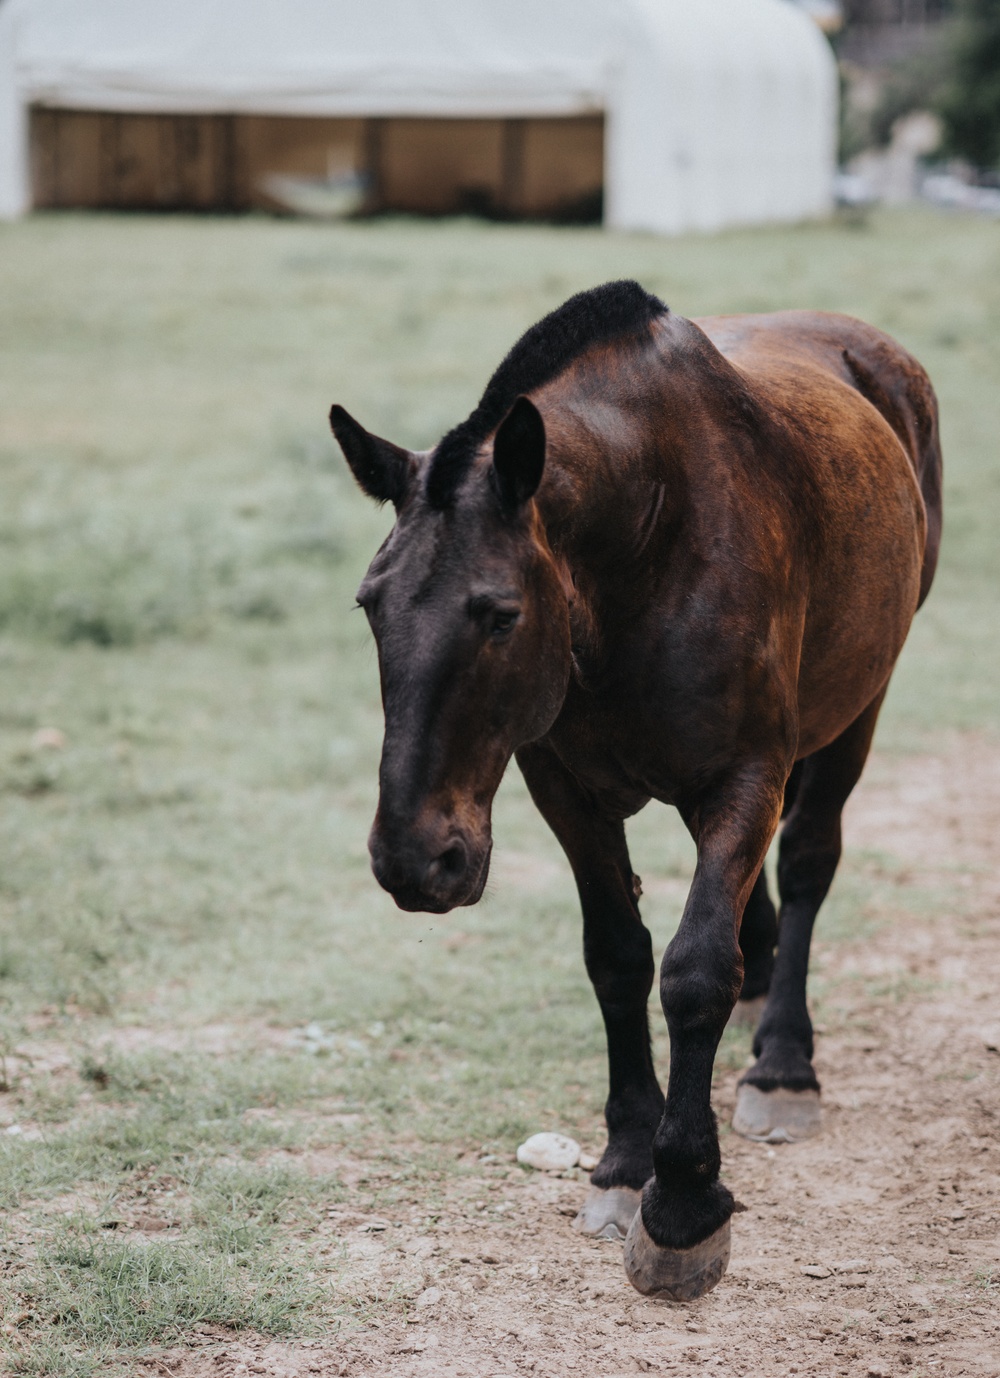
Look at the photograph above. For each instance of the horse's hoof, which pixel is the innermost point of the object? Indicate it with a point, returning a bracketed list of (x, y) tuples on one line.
[(776, 1117), (746, 1013), (608, 1213), (674, 1274)]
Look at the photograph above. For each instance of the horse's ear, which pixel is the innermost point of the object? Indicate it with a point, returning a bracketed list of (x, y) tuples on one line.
[(382, 469), (519, 454)]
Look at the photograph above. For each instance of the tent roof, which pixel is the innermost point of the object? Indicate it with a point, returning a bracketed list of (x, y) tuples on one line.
[(396, 56), (319, 56)]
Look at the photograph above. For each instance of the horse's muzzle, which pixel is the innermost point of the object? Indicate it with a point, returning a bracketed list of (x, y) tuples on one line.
[(428, 873)]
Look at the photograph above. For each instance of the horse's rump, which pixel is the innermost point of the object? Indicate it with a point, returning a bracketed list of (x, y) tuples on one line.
[(867, 360)]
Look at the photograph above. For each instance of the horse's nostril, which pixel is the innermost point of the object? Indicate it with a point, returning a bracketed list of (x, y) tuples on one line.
[(452, 861), (448, 866)]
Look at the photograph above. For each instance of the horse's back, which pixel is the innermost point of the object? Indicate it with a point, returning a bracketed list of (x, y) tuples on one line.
[(866, 360)]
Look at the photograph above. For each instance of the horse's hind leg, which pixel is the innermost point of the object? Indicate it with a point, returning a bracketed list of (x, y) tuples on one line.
[(778, 1098), (759, 935), (758, 939), (619, 957)]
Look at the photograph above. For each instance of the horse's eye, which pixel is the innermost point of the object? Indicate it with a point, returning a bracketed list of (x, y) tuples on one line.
[(502, 621)]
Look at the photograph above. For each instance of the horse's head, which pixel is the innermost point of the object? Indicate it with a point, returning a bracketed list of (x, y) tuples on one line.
[(470, 614)]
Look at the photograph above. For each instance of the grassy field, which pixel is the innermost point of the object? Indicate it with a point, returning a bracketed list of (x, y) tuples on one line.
[(198, 977)]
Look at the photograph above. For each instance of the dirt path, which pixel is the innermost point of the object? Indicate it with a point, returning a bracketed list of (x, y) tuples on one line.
[(873, 1250)]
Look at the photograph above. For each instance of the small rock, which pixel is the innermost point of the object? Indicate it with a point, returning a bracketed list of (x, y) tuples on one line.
[(429, 1297), (816, 1270), (549, 1152), (991, 1038), (588, 1162)]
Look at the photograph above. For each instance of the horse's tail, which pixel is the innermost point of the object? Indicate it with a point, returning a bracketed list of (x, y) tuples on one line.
[(904, 395)]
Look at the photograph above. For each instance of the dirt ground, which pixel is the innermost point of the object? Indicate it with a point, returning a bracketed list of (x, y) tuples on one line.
[(871, 1250)]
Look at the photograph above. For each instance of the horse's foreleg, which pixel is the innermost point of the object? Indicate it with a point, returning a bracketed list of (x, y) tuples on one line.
[(678, 1245), (619, 958), (778, 1098)]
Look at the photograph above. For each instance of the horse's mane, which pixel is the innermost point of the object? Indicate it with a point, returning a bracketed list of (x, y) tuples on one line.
[(603, 313)]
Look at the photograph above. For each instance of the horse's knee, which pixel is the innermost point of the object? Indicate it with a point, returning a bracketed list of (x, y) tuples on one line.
[(700, 983)]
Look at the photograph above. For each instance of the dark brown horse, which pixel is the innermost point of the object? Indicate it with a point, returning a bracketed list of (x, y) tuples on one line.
[(662, 559)]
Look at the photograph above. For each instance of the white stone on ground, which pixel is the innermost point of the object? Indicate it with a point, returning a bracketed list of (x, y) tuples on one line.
[(549, 1152)]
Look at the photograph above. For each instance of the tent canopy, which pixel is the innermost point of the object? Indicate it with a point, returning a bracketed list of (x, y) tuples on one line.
[(717, 113)]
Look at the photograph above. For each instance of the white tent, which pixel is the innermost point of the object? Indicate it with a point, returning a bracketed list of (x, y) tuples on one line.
[(718, 112)]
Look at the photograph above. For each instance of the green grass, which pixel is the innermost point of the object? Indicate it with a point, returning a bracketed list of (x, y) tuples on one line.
[(185, 883)]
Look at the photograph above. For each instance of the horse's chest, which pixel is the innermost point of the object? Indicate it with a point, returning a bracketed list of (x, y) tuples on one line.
[(612, 745)]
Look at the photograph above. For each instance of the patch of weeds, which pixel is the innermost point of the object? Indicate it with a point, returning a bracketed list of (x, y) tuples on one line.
[(41, 1355), (231, 1266), (154, 1112), (238, 1206), (104, 1290), (95, 1072), (29, 778), (106, 579), (110, 577), (52, 1100)]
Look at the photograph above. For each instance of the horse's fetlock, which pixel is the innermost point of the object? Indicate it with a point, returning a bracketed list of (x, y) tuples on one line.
[(634, 1113), (687, 1153), (782, 1063), (679, 1218)]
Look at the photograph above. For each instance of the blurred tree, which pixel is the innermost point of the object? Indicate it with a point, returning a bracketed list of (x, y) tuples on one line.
[(969, 105)]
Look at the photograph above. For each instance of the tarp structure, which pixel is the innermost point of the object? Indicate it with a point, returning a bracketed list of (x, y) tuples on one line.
[(716, 113)]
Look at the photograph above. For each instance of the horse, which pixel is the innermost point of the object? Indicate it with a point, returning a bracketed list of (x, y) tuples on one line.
[(662, 559)]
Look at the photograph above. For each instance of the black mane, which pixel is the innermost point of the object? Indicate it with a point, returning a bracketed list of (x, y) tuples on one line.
[(603, 313)]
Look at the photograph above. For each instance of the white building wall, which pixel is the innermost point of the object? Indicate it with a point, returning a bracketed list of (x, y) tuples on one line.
[(15, 186), (720, 114)]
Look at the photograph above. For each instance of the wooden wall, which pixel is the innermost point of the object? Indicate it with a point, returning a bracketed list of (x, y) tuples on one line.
[(522, 168)]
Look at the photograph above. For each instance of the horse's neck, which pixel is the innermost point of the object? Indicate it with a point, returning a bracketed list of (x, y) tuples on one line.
[(633, 473)]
